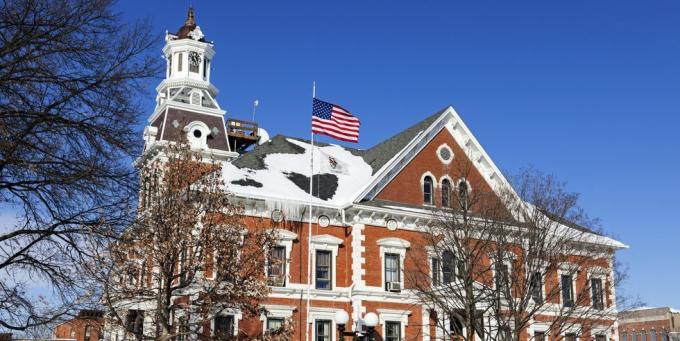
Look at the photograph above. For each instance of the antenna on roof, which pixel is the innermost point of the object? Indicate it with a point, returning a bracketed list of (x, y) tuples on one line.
[(256, 103)]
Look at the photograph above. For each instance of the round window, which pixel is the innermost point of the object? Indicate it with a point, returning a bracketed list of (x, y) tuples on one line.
[(445, 153), (197, 133)]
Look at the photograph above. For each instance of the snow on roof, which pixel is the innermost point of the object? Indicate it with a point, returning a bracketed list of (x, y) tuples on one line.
[(280, 168)]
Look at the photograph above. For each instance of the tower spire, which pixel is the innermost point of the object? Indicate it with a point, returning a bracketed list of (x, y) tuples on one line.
[(190, 17)]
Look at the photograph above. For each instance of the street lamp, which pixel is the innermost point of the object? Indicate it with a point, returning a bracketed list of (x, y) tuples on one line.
[(341, 318), (371, 320)]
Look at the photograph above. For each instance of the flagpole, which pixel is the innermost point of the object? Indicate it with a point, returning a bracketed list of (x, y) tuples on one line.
[(309, 231)]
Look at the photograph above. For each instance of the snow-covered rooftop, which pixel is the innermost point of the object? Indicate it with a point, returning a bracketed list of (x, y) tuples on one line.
[(281, 167)]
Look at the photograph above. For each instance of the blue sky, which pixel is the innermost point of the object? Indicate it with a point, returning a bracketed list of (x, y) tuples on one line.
[(586, 90)]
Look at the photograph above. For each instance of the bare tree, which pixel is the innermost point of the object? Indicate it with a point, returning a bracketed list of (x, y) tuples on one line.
[(71, 75), (189, 257), (495, 262)]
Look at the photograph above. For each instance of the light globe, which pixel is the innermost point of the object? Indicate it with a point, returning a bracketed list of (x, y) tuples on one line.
[(371, 320), (341, 317)]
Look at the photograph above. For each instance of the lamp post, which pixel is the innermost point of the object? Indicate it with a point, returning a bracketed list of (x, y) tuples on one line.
[(341, 318)]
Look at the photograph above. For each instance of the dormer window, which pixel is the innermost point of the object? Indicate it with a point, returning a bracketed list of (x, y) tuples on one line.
[(428, 189), (197, 134)]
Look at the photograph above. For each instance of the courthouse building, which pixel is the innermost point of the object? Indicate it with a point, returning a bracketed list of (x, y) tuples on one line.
[(369, 205)]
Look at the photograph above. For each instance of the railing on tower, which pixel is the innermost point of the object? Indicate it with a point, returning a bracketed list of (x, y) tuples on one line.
[(242, 134)]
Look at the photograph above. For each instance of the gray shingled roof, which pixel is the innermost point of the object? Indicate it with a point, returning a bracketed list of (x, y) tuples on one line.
[(376, 156)]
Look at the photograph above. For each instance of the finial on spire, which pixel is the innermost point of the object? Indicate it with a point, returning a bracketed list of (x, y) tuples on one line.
[(190, 17)]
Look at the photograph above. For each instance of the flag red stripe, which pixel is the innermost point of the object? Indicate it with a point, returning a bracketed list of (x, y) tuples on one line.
[(345, 126), (337, 137), (345, 122), (335, 126), (334, 129), (345, 115)]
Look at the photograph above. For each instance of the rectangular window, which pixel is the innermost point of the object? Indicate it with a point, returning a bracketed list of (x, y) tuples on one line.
[(392, 274), (664, 335), (179, 62), (134, 321), (323, 270), (274, 323), (435, 271), (539, 336), (624, 336), (503, 278), (392, 331), (224, 325), (600, 337), (536, 287), (504, 334), (567, 291), (570, 336), (643, 335), (206, 65), (323, 330), (170, 63), (653, 334), (634, 336), (448, 267), (598, 296), (276, 270)]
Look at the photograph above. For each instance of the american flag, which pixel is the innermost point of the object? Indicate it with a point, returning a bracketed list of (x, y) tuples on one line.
[(334, 121)]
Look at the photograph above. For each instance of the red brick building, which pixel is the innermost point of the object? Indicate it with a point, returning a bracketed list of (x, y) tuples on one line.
[(87, 326), (649, 324), (369, 206)]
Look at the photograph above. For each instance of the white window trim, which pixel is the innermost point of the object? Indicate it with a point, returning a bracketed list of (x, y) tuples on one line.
[(238, 316), (275, 311), (452, 183), (434, 187), (393, 315), (445, 146), (569, 269), (286, 239), (321, 313), (457, 184), (599, 330), (573, 329), (395, 246), (601, 274), (508, 258), (197, 143), (325, 242)]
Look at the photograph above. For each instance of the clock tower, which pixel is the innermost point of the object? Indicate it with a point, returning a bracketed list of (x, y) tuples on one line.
[(186, 105)]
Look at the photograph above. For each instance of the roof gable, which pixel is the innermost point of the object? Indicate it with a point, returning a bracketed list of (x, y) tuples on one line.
[(422, 134)]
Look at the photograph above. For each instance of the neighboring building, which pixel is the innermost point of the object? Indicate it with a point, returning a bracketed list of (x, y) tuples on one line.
[(369, 205), (650, 324), (87, 326)]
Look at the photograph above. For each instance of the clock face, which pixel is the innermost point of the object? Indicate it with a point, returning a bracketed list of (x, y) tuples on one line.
[(324, 221), (277, 216), (391, 224), (194, 59)]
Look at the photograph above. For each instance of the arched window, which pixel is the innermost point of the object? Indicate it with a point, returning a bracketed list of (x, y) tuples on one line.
[(446, 193), (428, 187), (88, 332), (463, 191)]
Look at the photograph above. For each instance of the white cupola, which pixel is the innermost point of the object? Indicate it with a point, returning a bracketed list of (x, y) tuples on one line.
[(188, 58)]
